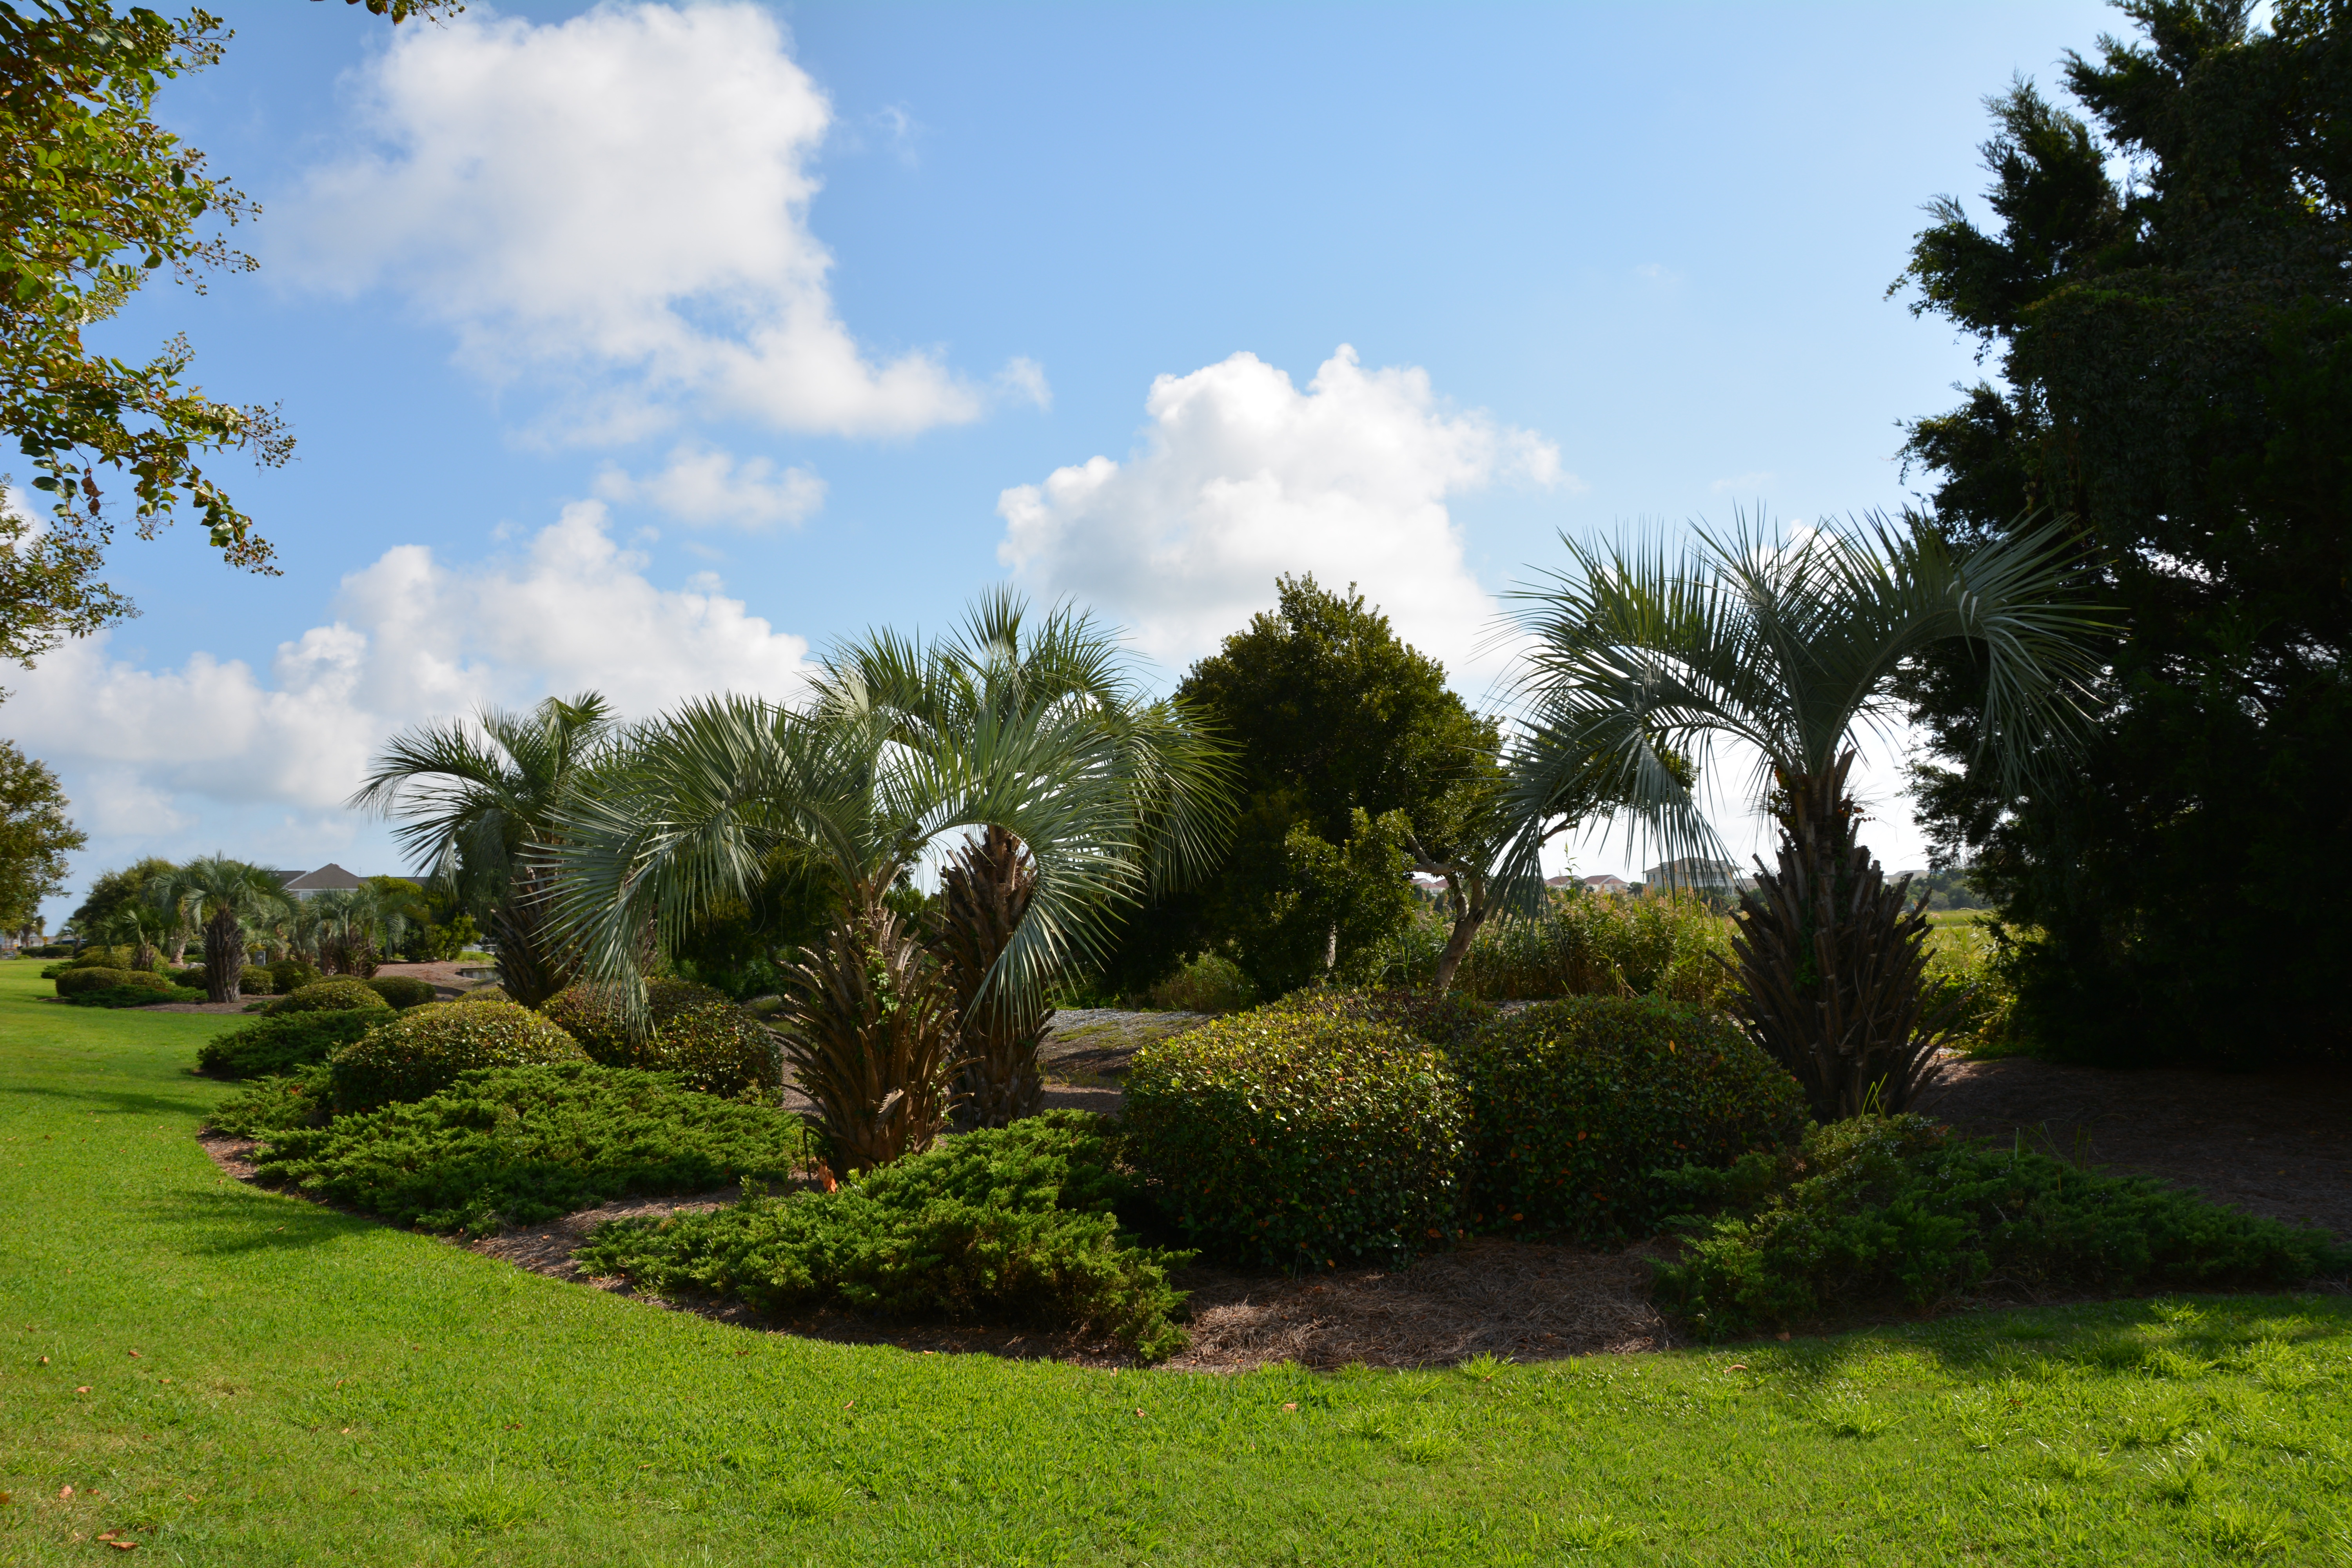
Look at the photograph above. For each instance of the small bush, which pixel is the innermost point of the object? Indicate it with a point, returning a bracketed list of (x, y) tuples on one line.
[(1589, 945), (424, 1050), (400, 990), (712, 1043), (1209, 983), (330, 996), (80, 981), (1450, 1021), (1575, 1104), (192, 977), (276, 1104), (277, 1043), (1016, 1222), (1876, 1211), (1295, 1135), (290, 974), (521, 1144), (132, 996), (252, 980)]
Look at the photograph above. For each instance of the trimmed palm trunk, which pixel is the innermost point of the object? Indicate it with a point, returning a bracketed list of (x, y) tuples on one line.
[(531, 967), (984, 890), (869, 1034), (1830, 963), (224, 956)]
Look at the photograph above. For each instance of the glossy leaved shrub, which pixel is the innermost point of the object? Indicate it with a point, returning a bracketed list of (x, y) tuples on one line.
[(1300, 1136), (1577, 1106), (420, 1051), (712, 1043), (330, 996), (289, 974), (78, 981), (400, 990)]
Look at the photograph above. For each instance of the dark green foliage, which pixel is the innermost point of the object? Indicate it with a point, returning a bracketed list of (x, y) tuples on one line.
[(275, 1044), (515, 1145), (289, 974), (2176, 375), (1018, 1222), (304, 1097), (710, 1043), (332, 996), (1298, 1136), (424, 1050), (192, 977), (132, 996), (1874, 1213), (1575, 1103), (76, 982), (401, 990), (251, 980), (1208, 983), (1450, 1020)]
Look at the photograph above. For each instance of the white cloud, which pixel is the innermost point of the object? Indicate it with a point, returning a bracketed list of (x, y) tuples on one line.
[(414, 639), (1241, 477), (703, 486), (624, 193)]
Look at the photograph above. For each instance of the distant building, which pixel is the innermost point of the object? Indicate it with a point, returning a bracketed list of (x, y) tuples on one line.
[(1606, 884), (1693, 875), (1559, 881), (329, 877)]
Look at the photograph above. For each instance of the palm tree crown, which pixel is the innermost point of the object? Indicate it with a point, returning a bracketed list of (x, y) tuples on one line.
[(221, 896)]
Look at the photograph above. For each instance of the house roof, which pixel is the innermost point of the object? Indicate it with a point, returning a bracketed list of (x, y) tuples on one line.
[(326, 878)]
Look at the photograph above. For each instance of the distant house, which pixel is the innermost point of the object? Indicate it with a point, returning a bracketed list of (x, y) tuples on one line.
[(1606, 884), (1694, 875), (329, 877), (1559, 881)]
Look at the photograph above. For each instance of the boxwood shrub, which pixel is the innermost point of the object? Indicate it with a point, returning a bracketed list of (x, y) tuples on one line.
[(282, 1043), (1299, 1136), (292, 974), (131, 997), (1578, 1105), (423, 1050), (712, 1043), (330, 996), (1451, 1020), (76, 982), (400, 990)]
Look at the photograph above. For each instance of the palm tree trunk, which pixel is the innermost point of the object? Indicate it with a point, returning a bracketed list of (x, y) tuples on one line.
[(223, 957), (1832, 964), (867, 1032), (531, 968), (985, 889)]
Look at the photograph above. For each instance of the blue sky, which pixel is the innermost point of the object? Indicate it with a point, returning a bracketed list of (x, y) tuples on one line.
[(648, 347)]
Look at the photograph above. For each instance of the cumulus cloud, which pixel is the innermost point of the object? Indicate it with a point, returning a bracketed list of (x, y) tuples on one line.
[(1240, 477), (703, 486), (414, 638), (624, 193)]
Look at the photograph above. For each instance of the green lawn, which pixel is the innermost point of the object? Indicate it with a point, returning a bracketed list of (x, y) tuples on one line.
[(310, 1389)]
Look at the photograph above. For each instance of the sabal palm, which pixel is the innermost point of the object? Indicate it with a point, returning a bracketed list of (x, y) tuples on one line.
[(476, 803), (1790, 649), (220, 896), (897, 746)]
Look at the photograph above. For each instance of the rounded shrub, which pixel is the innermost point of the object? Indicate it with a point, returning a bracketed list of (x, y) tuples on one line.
[(1451, 1020), (423, 1050), (1209, 983), (1290, 1136), (80, 981), (400, 990), (254, 980), (290, 974), (329, 997), (192, 975), (712, 1043), (1578, 1106)]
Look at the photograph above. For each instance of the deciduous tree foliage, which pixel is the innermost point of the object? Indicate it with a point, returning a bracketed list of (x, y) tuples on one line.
[(34, 837), (2166, 295)]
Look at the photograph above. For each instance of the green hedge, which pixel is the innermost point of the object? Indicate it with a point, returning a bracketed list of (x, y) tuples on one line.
[(275, 1044), (712, 1043), (1873, 1212), (330, 996), (521, 1144), (1020, 1222), (1300, 1135), (400, 990), (77, 982), (1450, 1021), (1576, 1104), (276, 1103), (290, 974), (131, 997), (423, 1049)]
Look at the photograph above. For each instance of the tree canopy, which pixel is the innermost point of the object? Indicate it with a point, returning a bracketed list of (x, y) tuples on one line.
[(34, 837)]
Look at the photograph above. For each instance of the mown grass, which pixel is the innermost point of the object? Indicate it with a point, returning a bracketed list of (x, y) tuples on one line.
[(312, 1388)]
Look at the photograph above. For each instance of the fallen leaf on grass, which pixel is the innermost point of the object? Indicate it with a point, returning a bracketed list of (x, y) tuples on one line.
[(65, 1494), (1138, 1412), (851, 1405), (1737, 1367), (124, 1545), (45, 1361), (83, 1389), (134, 1354), (6, 1500), (1292, 1405)]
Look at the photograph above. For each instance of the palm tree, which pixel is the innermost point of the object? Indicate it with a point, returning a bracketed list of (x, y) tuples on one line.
[(352, 924), (1789, 649), (1082, 790), (219, 896), (477, 803)]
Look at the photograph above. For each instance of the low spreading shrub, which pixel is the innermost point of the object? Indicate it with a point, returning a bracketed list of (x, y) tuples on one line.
[(80, 981), (289, 974), (1879, 1212), (400, 990), (275, 1044), (712, 1044), (1019, 1222), (517, 1145), (424, 1050), (1575, 1104), (278, 1103), (1296, 1136), (1209, 983), (132, 996), (330, 996)]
